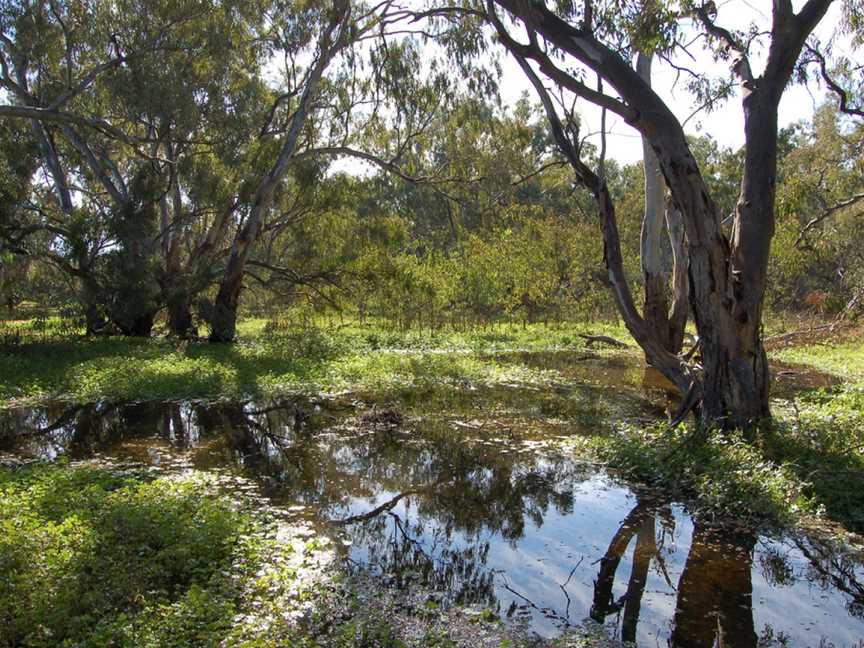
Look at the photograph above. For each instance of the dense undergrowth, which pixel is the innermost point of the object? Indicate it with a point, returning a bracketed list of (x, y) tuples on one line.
[(808, 460), (93, 558), (96, 557)]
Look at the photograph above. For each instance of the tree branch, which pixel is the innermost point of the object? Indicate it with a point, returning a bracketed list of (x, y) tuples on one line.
[(832, 84)]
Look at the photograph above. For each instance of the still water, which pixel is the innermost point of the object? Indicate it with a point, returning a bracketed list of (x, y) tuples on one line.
[(462, 492)]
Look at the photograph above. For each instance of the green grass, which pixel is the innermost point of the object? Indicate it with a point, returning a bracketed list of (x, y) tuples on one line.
[(809, 460), (727, 478), (821, 433), (268, 360), (92, 558), (845, 359)]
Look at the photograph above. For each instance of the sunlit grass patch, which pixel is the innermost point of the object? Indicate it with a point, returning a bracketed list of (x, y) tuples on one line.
[(820, 436), (274, 361), (845, 359), (91, 558)]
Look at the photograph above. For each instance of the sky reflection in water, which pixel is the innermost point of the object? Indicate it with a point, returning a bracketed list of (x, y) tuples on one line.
[(468, 502)]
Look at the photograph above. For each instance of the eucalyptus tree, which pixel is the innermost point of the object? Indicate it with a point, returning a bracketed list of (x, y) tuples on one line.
[(168, 131), (818, 252), (662, 250), (120, 97), (335, 29), (474, 161), (18, 162), (359, 98), (727, 271)]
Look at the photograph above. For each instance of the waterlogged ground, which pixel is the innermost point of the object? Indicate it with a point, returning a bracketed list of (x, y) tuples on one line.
[(458, 500)]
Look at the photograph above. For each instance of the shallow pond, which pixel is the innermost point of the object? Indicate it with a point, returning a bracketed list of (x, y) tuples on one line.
[(460, 491)]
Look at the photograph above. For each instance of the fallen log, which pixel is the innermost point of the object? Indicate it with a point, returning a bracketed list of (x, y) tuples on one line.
[(602, 339)]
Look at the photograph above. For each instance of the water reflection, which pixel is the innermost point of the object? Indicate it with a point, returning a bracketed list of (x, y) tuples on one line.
[(641, 523), (480, 513)]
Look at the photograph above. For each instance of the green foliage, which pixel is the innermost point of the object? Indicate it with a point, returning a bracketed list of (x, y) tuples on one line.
[(821, 434), (822, 443), (18, 162), (366, 631), (272, 359), (810, 460), (816, 254), (92, 558), (726, 475)]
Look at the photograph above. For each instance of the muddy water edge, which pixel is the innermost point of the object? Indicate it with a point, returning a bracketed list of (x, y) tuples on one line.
[(457, 500)]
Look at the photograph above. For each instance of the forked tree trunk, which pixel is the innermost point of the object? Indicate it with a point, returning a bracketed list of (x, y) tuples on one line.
[(140, 326), (727, 280), (736, 378), (179, 305), (223, 322), (734, 370), (178, 283)]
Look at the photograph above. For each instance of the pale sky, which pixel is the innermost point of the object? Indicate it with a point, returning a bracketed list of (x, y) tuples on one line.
[(726, 125)]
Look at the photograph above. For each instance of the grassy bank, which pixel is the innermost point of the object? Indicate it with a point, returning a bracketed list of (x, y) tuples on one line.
[(97, 556), (809, 461), (268, 361), (94, 556)]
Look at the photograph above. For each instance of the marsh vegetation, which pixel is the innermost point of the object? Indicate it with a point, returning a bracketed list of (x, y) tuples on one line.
[(332, 323)]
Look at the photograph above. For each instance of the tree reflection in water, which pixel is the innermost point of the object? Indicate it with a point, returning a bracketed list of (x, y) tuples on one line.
[(424, 504), (641, 522)]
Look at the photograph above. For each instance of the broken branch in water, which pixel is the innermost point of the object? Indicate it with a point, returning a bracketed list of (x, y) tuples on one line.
[(378, 510)]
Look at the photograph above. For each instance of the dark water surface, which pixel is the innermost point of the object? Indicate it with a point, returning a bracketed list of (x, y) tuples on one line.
[(460, 491)]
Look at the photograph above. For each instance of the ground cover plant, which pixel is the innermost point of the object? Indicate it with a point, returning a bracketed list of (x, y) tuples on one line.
[(107, 555), (269, 360), (486, 216), (125, 556), (808, 461)]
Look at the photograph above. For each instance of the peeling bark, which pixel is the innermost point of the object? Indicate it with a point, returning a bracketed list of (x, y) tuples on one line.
[(655, 243), (726, 279), (680, 306)]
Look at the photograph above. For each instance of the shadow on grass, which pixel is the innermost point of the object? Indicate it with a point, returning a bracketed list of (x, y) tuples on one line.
[(728, 477), (825, 453), (140, 369)]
